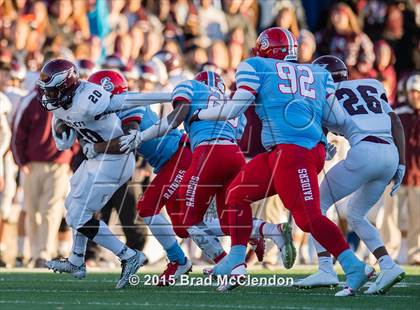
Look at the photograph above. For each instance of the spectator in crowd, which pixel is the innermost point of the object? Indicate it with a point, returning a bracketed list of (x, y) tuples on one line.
[(307, 46), (409, 194), (212, 21), (384, 66), (344, 39), (6, 193), (401, 33), (46, 172), (287, 19)]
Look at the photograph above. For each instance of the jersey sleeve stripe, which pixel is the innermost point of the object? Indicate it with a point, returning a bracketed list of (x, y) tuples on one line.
[(131, 119), (181, 99), (246, 87), (183, 89)]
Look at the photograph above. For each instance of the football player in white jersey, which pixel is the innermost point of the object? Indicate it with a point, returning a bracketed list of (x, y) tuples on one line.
[(376, 157), (87, 111)]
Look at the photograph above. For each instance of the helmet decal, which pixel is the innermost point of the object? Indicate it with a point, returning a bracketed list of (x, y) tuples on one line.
[(264, 41), (107, 84)]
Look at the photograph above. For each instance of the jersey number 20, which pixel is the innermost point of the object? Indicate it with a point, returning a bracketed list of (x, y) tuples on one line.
[(296, 80)]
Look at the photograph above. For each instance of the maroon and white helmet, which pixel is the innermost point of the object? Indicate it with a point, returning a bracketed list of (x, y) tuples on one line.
[(57, 83)]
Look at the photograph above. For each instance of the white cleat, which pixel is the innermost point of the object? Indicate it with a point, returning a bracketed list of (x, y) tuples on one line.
[(319, 279), (386, 279), (345, 292), (63, 265), (129, 267), (233, 280), (229, 282)]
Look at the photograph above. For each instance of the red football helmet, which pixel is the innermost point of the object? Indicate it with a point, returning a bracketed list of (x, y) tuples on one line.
[(110, 80), (57, 83), (277, 43), (334, 65), (211, 79)]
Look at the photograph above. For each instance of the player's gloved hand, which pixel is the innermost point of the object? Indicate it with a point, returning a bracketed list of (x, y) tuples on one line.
[(65, 141), (398, 177), (130, 141), (195, 117), (89, 150), (331, 150)]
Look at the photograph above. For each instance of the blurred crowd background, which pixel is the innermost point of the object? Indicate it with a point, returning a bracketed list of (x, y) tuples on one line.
[(156, 44)]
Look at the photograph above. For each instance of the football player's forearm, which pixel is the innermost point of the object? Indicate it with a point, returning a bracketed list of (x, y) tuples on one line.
[(166, 124), (232, 109), (398, 135), (333, 114), (108, 147)]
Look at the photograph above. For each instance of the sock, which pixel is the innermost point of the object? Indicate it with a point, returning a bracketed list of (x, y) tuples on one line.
[(326, 264), (175, 254), (77, 255), (256, 228), (20, 246), (349, 261), (209, 244), (235, 257), (161, 229), (213, 225), (270, 230), (386, 262), (108, 240)]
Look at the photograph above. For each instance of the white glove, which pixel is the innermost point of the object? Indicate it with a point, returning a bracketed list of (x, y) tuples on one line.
[(398, 177), (130, 141), (64, 142), (331, 150), (89, 150)]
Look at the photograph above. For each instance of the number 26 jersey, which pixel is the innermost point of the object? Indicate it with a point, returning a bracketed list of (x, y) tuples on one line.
[(366, 108)]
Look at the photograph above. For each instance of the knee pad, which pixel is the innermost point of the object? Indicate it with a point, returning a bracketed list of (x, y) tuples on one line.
[(90, 228)]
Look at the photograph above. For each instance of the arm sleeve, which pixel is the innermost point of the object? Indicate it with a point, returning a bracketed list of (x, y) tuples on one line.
[(248, 84), (132, 100)]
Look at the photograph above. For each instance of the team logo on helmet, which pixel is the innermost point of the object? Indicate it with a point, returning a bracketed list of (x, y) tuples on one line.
[(107, 84), (264, 43)]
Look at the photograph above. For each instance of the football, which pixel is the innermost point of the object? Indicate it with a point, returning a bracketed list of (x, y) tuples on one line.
[(60, 127)]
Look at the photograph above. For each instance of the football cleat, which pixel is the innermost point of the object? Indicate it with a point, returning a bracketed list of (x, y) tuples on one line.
[(129, 267), (173, 272), (386, 279), (63, 265), (258, 246), (358, 278), (228, 282), (319, 279), (287, 249)]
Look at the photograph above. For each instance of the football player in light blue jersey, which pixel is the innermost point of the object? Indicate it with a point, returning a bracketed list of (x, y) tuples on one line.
[(216, 161), (293, 102)]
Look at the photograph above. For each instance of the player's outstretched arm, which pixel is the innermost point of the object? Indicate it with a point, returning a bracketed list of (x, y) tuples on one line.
[(166, 124), (233, 108), (333, 114)]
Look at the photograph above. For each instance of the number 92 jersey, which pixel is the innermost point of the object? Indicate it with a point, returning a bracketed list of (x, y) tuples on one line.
[(86, 114), (290, 98), (366, 108)]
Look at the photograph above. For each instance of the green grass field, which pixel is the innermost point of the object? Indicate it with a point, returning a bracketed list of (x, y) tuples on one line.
[(29, 290)]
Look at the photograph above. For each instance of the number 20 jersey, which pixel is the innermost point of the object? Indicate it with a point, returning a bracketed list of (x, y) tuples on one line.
[(366, 109), (289, 99), (87, 115)]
